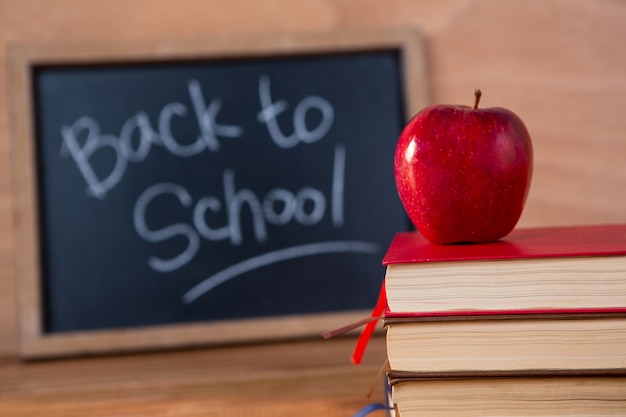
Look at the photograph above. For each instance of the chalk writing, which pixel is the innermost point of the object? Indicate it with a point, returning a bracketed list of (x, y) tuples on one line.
[(274, 257), (306, 206), (270, 112), (293, 208), (210, 132)]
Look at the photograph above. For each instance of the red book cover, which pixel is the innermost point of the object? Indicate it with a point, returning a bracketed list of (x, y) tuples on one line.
[(599, 240), (410, 316)]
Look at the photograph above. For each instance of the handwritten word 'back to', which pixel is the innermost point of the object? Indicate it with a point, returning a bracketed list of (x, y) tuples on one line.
[(208, 139)]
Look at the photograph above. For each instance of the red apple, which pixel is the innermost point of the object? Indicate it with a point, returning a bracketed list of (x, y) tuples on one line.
[(463, 173)]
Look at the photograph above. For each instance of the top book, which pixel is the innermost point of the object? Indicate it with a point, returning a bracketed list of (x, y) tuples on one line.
[(531, 270)]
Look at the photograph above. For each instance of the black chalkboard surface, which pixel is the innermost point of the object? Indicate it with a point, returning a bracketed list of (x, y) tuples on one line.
[(214, 189)]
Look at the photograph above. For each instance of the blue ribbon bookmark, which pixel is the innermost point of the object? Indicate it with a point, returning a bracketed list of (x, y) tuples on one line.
[(370, 408)]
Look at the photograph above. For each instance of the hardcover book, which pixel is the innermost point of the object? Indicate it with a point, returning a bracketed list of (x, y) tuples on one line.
[(513, 344), (539, 395), (534, 269)]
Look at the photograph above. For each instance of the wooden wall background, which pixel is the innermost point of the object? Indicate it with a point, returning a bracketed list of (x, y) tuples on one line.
[(559, 64)]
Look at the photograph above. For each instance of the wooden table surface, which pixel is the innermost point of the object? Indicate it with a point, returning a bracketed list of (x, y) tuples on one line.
[(302, 378)]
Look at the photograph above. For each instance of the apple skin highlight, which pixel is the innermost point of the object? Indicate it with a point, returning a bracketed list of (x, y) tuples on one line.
[(462, 173)]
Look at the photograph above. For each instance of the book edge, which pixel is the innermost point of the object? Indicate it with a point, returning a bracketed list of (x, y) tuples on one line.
[(525, 243)]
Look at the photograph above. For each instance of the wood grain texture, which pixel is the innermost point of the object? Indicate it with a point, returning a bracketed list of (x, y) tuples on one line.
[(307, 378), (558, 64)]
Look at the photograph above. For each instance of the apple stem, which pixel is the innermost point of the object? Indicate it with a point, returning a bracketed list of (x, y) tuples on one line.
[(477, 94)]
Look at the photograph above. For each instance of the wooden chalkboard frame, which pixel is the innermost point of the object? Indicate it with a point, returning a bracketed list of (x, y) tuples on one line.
[(34, 342)]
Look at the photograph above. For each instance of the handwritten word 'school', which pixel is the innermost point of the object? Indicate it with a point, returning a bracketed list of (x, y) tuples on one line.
[(306, 206)]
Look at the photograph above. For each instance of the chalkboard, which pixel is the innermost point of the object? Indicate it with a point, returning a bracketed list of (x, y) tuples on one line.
[(209, 190)]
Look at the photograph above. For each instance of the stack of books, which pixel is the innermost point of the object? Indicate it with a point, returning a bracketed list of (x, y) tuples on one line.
[(533, 324)]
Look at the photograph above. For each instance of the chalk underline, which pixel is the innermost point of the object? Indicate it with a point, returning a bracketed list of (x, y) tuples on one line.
[(281, 255)]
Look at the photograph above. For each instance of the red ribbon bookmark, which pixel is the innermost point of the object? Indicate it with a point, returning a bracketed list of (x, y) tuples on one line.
[(368, 330)]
